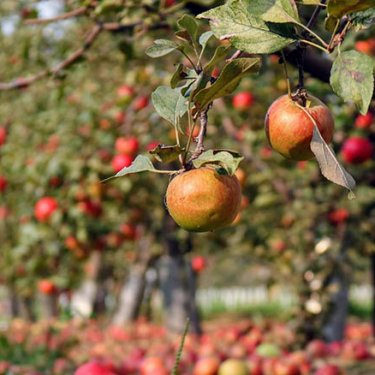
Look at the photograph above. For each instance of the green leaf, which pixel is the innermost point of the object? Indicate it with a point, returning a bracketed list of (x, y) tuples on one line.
[(352, 78), (330, 23), (310, 2), (228, 80), (363, 19), (166, 154), (331, 169), (204, 38), (140, 164), (189, 24), (249, 33), (169, 103), (339, 8), (218, 55), (278, 11), (177, 76), (161, 47), (229, 161)]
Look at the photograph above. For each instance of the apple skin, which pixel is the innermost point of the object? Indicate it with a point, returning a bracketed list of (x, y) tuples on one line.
[(233, 366), (127, 145), (357, 150), (328, 370), (3, 184), (289, 129), (366, 46), (44, 208), (207, 366), (364, 121), (121, 161), (94, 368), (125, 92), (198, 263), (140, 102), (3, 135), (46, 287), (338, 216), (243, 100)]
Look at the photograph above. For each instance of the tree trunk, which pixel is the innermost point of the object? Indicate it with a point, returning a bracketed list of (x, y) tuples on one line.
[(132, 293), (177, 283), (47, 306), (83, 299)]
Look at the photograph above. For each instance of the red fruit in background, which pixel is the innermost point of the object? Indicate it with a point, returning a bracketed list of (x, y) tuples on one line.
[(207, 366), (127, 145), (121, 161), (151, 145), (3, 135), (129, 231), (44, 208), (328, 370), (120, 117), (71, 243), (104, 155), (366, 46), (153, 366), (289, 129), (243, 100), (169, 3), (3, 184), (317, 349), (233, 366), (125, 91), (4, 212), (338, 216), (357, 150), (364, 121), (90, 207), (94, 368), (284, 367), (46, 287), (255, 365), (198, 263), (140, 102)]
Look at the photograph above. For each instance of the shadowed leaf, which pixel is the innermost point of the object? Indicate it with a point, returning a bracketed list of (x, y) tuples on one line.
[(166, 154)]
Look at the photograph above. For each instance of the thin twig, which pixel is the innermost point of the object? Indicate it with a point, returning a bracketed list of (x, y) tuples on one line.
[(203, 119), (42, 21)]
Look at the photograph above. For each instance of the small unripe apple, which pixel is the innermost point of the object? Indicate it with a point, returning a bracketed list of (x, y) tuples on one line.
[(243, 100), (46, 286), (357, 150), (127, 145), (3, 184), (44, 208), (233, 366), (3, 135), (289, 129), (121, 161), (364, 121)]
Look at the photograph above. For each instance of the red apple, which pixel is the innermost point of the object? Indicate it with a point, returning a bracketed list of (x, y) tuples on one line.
[(140, 102), (169, 3), (338, 216), (3, 184), (91, 207), (120, 117), (152, 145), (357, 150), (255, 365), (243, 101), (153, 365), (125, 92), (317, 349), (129, 231), (364, 121), (46, 286), (284, 367), (207, 366), (44, 208), (121, 161), (366, 46), (127, 145), (289, 129), (233, 366), (4, 212), (94, 368), (3, 135), (198, 264)]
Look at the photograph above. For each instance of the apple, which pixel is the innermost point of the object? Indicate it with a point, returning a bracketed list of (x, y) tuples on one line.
[(152, 145), (3, 135), (120, 117), (284, 367), (317, 349), (44, 208), (169, 3), (198, 264), (121, 161), (125, 92), (46, 286), (127, 145), (4, 212), (243, 100), (338, 216), (233, 366), (364, 121), (365, 46), (94, 368), (140, 102), (153, 365), (207, 366), (289, 128), (255, 365), (357, 150), (328, 370), (129, 231), (3, 184), (91, 207), (268, 350)]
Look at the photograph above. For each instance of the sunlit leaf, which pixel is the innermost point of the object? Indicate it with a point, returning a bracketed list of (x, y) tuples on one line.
[(161, 47)]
